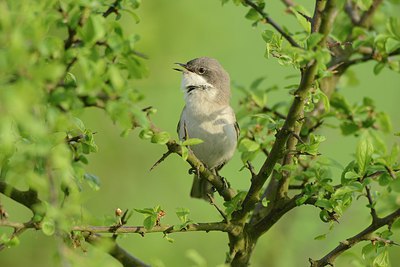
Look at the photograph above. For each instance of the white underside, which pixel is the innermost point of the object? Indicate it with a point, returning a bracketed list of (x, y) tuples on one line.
[(209, 121)]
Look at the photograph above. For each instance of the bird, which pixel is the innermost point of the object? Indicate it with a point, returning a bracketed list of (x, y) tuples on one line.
[(207, 115)]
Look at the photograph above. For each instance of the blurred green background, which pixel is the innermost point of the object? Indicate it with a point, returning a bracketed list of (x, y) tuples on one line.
[(177, 31)]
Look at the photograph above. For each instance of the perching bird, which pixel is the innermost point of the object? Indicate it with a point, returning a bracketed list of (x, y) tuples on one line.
[(208, 116)]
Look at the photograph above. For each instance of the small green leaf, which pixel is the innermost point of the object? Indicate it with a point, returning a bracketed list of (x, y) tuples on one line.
[(160, 138), (169, 239), (268, 36), (320, 237), (384, 122), (192, 142), (146, 134), (185, 152), (48, 227), (182, 214), (79, 124), (351, 175), (302, 200), (252, 14), (314, 39), (378, 67), (247, 145), (364, 153), (382, 260), (324, 203), (92, 180), (150, 221)]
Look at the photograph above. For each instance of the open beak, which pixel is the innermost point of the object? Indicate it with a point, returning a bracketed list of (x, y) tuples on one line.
[(182, 65)]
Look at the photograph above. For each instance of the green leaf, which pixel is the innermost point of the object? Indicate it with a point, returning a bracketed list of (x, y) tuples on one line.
[(351, 175), (268, 36), (384, 122), (185, 152), (149, 222), (394, 26), (378, 67), (325, 100), (368, 251), (160, 138), (382, 260), (324, 203), (314, 39), (48, 227), (348, 128), (192, 142), (146, 134), (252, 14), (94, 29), (92, 180), (169, 239), (247, 145), (300, 18), (79, 124), (364, 153), (302, 200), (320, 237), (391, 45), (182, 214)]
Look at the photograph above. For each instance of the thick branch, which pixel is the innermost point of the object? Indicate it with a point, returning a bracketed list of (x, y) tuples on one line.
[(365, 234), (272, 22), (28, 198)]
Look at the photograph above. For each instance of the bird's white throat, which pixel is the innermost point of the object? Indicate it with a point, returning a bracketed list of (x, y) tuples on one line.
[(200, 100)]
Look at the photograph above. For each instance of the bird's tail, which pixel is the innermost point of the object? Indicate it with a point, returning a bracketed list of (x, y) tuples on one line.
[(200, 188)]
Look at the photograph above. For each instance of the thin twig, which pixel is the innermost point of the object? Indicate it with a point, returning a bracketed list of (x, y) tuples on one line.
[(371, 204), (272, 23), (212, 202), (365, 234)]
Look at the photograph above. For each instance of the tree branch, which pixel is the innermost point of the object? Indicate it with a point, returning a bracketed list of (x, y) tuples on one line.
[(272, 22), (366, 17), (167, 229), (28, 198), (217, 182), (365, 234), (371, 204)]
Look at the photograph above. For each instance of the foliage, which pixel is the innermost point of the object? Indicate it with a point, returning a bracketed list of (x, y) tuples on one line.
[(79, 55)]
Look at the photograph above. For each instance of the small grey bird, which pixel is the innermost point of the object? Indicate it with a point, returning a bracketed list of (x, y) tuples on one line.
[(208, 116)]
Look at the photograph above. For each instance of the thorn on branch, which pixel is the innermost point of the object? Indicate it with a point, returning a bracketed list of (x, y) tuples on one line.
[(164, 156)]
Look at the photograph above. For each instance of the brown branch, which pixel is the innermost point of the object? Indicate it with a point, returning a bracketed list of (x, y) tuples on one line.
[(351, 11), (212, 202), (19, 228), (112, 9), (371, 204), (324, 26), (218, 183), (366, 17), (272, 22), (28, 198), (365, 234)]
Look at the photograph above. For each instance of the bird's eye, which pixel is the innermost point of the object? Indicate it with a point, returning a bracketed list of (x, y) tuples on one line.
[(202, 70)]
